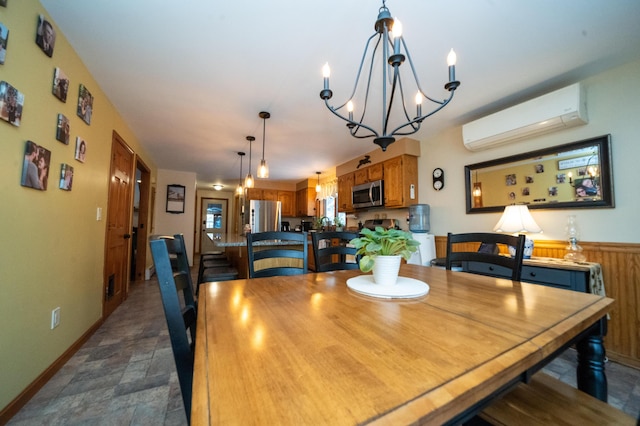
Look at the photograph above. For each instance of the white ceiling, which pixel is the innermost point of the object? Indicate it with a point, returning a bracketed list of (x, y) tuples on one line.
[(190, 77)]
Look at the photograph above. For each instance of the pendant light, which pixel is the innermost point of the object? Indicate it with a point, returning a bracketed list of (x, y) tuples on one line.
[(240, 189), (318, 187), (248, 181), (263, 168)]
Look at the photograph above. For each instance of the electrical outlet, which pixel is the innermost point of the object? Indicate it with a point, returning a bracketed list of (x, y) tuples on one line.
[(55, 318)]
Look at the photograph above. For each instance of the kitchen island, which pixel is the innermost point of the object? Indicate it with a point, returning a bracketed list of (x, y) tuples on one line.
[(235, 247)]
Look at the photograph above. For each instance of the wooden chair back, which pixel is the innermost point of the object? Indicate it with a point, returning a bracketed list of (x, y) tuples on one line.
[(179, 319), (277, 253), (514, 263), (180, 264), (334, 257)]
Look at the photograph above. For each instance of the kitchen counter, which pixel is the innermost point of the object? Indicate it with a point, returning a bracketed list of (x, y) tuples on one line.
[(233, 240)]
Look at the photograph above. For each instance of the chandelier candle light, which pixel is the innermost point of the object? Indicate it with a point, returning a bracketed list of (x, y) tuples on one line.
[(248, 181), (517, 219), (263, 168), (389, 40)]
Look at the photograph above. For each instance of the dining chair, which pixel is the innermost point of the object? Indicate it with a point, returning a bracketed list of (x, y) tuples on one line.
[(179, 319), (277, 253), (180, 265), (513, 263), (330, 257)]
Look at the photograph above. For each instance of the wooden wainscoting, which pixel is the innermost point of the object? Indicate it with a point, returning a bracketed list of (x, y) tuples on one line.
[(621, 271)]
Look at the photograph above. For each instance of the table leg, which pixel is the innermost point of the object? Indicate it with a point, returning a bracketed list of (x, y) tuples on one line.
[(591, 358)]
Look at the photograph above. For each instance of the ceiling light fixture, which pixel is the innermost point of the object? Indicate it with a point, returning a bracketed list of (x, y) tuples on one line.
[(403, 124), (240, 189), (263, 168), (218, 187), (248, 181), (318, 187)]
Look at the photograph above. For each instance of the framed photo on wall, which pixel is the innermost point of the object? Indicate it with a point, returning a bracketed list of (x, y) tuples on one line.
[(81, 149), (4, 38), (63, 130), (66, 177), (11, 103), (60, 85), (175, 198), (35, 169), (85, 104), (45, 36)]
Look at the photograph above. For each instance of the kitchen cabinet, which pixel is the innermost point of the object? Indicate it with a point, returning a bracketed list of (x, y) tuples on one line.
[(306, 202), (288, 206), (368, 174), (262, 194), (400, 181), (345, 183)]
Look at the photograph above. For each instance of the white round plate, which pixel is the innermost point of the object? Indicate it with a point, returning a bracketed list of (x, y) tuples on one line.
[(405, 288)]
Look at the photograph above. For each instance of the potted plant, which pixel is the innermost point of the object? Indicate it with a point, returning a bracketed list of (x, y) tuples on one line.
[(382, 250), (339, 224)]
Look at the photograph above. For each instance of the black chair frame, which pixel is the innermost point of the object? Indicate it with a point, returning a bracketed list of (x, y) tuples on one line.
[(277, 251), (324, 257), (513, 263)]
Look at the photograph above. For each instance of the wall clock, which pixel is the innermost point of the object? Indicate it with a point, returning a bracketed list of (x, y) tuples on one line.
[(438, 179)]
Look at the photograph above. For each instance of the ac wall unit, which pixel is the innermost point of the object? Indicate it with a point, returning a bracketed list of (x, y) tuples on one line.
[(554, 111)]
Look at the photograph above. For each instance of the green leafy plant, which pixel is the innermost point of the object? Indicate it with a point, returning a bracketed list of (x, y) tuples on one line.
[(383, 242), (338, 222)]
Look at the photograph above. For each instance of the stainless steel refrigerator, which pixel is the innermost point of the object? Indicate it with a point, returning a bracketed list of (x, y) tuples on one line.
[(263, 215)]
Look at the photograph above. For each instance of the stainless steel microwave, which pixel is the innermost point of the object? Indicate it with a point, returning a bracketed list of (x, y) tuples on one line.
[(368, 195)]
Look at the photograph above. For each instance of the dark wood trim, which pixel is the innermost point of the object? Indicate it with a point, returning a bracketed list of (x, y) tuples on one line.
[(21, 400)]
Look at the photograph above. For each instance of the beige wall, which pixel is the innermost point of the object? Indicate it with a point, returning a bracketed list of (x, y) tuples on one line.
[(613, 102), (52, 250)]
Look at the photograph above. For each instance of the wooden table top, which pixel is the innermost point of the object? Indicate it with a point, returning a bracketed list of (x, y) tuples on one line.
[(308, 350)]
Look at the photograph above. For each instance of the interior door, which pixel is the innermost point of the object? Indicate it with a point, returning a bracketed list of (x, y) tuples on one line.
[(118, 239), (213, 221)]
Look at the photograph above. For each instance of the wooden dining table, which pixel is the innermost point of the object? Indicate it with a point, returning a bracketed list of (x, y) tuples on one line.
[(307, 349)]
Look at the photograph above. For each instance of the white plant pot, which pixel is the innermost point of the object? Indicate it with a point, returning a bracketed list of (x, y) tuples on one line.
[(386, 269)]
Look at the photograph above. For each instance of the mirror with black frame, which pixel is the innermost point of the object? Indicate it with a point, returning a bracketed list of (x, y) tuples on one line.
[(574, 175)]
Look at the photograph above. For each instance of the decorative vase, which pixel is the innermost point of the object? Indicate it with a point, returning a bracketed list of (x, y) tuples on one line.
[(386, 269)]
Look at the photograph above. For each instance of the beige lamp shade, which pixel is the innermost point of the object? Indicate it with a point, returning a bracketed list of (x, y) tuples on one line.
[(516, 218)]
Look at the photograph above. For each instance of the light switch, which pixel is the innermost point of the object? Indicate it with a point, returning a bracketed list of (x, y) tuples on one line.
[(99, 213)]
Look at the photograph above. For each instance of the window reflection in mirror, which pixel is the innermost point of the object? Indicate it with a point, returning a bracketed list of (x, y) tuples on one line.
[(574, 175)]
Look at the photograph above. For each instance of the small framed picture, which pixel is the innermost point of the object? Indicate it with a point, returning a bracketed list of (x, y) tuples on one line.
[(510, 179), (175, 198), (63, 129), (81, 149), (66, 177), (4, 38), (85, 104), (35, 169), (45, 36), (60, 84), (11, 103)]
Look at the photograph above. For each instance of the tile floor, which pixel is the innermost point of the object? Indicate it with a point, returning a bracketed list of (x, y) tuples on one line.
[(125, 375)]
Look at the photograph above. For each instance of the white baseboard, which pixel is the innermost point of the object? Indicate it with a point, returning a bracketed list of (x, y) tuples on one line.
[(148, 273)]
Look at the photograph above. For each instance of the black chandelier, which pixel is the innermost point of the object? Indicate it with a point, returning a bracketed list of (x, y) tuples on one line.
[(403, 124)]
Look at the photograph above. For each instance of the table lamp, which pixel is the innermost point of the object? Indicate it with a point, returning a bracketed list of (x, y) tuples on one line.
[(517, 219)]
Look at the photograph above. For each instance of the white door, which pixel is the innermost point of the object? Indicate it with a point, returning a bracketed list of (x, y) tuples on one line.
[(214, 222)]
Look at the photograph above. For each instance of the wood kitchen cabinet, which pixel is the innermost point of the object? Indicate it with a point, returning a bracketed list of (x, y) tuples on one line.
[(287, 202), (262, 194), (306, 202), (345, 183), (368, 174), (400, 173)]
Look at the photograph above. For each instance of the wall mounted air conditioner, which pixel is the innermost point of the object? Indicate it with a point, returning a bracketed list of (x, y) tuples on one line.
[(554, 111)]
